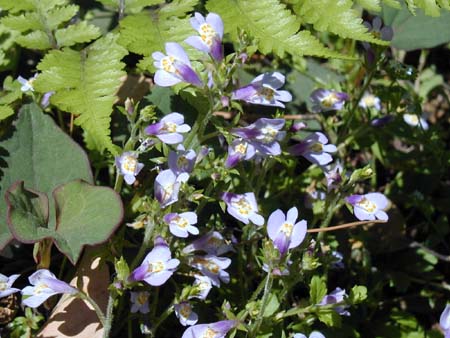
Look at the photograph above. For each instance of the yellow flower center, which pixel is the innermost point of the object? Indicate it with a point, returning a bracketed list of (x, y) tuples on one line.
[(243, 207), (209, 333), (40, 287), (182, 161), (207, 34), (181, 222), (170, 127), (155, 267), (369, 100), (286, 228), (413, 119), (142, 298), (167, 64), (210, 266), (129, 164), (268, 93), (203, 285), (185, 310), (241, 148), (317, 147), (367, 205), (3, 286), (269, 134), (330, 100)]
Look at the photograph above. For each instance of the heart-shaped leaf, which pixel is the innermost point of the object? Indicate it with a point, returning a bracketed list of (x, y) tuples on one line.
[(41, 155)]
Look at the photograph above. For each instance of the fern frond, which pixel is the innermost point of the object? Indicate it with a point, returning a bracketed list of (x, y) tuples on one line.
[(147, 32), (393, 3), (131, 6), (85, 84), (371, 5), (39, 23), (336, 17), (275, 28)]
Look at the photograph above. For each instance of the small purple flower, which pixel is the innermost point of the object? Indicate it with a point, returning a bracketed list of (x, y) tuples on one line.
[(45, 284), (211, 33), (212, 267), (201, 287), (182, 162), (180, 225), (415, 121), (314, 334), (386, 33), (264, 90), (243, 207), (382, 121), (212, 243), (239, 150), (326, 100), (27, 85), (174, 67), (333, 174), (313, 196), (337, 296), (297, 126), (284, 231), (169, 128), (370, 206), (185, 315), (128, 166), (6, 283), (167, 187), (212, 330), (139, 302), (370, 101), (45, 101), (157, 267), (263, 135), (315, 149), (444, 321)]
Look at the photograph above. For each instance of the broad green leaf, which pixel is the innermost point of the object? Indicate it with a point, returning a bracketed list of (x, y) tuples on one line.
[(272, 305), (78, 33), (86, 215), (41, 155), (317, 290), (86, 83), (417, 31), (358, 294), (329, 317)]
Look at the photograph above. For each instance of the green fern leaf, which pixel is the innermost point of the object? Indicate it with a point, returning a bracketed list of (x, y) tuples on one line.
[(275, 28), (24, 22), (78, 33), (147, 32), (371, 5), (131, 6), (59, 15), (5, 112), (430, 7), (393, 3), (17, 6), (85, 84), (35, 40), (336, 17)]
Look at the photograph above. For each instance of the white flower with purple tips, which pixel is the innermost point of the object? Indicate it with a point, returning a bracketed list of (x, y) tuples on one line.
[(167, 187), (212, 330), (333, 174), (314, 334), (27, 85), (264, 90), (284, 230), (128, 166), (139, 302), (44, 285), (370, 101), (212, 243), (243, 207), (157, 267), (174, 67), (210, 30), (370, 206), (315, 148), (444, 321), (326, 100), (337, 296), (201, 287), (180, 225), (239, 150), (415, 121), (212, 267), (6, 283), (185, 315), (169, 128), (182, 162)]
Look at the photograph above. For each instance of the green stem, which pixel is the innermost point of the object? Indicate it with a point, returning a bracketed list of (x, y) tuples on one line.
[(145, 243), (264, 300), (109, 314), (162, 318)]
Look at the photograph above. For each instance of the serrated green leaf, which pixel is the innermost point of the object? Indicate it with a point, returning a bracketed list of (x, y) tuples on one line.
[(337, 17), (358, 294), (78, 33), (5, 112), (85, 84), (34, 40), (58, 15), (274, 27), (371, 5), (16, 6), (51, 158), (329, 317), (23, 23), (131, 6)]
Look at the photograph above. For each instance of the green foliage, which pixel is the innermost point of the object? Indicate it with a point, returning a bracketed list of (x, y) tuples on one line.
[(42, 24), (147, 32), (336, 17), (38, 142), (317, 290), (85, 83), (130, 6), (273, 26), (430, 7)]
